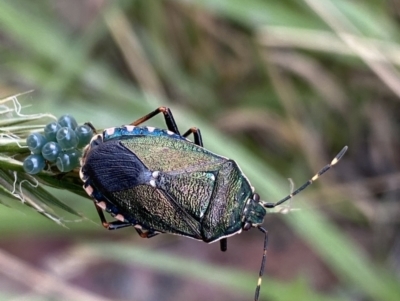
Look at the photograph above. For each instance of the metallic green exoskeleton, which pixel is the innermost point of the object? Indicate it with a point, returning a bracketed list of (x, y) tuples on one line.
[(158, 181)]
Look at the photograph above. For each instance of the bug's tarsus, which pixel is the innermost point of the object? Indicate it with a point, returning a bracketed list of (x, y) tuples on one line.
[(89, 124), (147, 234), (115, 225), (168, 117), (196, 135), (310, 181), (263, 262)]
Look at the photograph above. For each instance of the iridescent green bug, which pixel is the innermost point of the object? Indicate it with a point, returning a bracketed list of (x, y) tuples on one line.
[(158, 181)]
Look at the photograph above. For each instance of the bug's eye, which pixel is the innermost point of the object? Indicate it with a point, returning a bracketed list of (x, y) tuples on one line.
[(247, 226), (256, 197)]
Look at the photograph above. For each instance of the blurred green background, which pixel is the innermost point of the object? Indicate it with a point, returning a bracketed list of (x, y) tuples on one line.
[(278, 86)]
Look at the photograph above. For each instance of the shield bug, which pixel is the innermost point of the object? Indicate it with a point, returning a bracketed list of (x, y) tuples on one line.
[(158, 181)]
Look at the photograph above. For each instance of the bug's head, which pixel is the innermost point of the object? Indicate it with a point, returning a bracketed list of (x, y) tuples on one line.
[(254, 213)]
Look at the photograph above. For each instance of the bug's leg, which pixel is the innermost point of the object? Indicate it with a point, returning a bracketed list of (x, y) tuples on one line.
[(263, 261), (309, 182), (199, 141), (112, 225), (196, 135), (146, 234), (223, 243), (169, 119), (89, 124)]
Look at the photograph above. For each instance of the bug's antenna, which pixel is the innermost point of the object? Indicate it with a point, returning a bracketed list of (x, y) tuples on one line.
[(309, 182), (263, 261)]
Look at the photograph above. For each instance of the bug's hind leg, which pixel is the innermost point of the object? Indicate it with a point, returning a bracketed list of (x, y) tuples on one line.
[(115, 225), (89, 124), (199, 141), (168, 117)]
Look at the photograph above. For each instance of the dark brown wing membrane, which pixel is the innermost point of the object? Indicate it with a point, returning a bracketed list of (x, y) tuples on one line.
[(113, 167)]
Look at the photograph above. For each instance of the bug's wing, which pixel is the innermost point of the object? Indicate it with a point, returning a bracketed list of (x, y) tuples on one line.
[(185, 182), (156, 210), (124, 180), (187, 172)]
